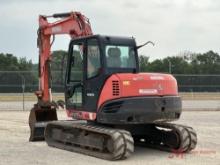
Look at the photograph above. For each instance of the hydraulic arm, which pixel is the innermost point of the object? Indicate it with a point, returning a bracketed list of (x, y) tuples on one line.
[(73, 24)]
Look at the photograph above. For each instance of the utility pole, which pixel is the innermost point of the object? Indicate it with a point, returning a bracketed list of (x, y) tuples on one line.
[(170, 66)]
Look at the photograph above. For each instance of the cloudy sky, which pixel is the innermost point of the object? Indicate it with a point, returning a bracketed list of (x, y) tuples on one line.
[(174, 25)]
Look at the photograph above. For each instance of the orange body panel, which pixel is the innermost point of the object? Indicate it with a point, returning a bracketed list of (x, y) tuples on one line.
[(131, 85), (141, 84)]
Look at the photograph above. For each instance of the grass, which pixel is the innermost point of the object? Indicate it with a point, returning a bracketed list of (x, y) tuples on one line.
[(200, 95), (27, 96), (60, 96)]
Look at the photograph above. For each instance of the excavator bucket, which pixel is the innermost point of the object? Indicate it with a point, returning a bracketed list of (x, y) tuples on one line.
[(38, 119)]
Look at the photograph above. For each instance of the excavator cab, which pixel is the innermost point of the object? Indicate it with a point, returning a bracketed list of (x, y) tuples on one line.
[(91, 61)]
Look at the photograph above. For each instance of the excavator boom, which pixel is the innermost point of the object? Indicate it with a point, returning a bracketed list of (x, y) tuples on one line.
[(73, 24)]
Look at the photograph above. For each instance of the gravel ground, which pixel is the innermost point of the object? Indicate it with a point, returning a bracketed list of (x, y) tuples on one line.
[(16, 150)]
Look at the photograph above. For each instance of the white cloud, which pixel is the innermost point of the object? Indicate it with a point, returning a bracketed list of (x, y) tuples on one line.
[(175, 25)]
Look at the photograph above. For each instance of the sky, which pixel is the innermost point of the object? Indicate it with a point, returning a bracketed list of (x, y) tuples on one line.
[(175, 26)]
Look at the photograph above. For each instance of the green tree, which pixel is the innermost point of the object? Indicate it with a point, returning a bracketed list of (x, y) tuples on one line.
[(8, 62), (13, 73), (143, 63), (206, 63), (157, 66), (58, 66), (178, 65)]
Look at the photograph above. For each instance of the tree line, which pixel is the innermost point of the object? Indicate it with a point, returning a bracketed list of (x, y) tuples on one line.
[(9, 62), (11, 79), (187, 63), (183, 63)]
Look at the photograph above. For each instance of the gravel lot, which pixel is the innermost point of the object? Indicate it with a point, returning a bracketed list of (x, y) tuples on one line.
[(16, 150)]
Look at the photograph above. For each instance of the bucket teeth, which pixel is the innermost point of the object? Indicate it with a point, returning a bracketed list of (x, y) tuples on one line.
[(37, 131)]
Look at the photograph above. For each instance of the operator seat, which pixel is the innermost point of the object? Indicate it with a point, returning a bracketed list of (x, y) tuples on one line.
[(114, 58), (131, 59)]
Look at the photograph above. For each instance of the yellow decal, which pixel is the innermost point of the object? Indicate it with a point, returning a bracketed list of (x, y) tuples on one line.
[(126, 83)]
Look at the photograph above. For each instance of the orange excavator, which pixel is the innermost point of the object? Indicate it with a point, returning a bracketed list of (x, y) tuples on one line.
[(112, 104)]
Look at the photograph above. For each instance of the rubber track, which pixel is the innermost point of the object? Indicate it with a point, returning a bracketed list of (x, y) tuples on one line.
[(129, 144), (191, 137), (186, 135), (123, 144)]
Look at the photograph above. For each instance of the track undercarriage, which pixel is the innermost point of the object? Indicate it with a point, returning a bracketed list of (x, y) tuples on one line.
[(101, 142), (115, 143)]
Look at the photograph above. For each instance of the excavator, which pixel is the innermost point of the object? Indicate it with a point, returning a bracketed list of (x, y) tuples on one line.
[(112, 105)]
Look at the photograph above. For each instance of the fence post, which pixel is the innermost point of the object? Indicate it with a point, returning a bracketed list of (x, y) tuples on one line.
[(23, 90)]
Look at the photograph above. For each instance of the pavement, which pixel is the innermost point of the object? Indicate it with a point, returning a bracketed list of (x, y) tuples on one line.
[(15, 149)]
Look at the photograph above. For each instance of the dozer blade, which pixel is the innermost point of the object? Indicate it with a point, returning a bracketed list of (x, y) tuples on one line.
[(38, 119)]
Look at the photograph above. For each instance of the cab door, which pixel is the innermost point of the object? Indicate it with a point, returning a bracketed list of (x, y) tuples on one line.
[(94, 78), (74, 86)]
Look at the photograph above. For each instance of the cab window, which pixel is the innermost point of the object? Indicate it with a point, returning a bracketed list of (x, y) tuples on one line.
[(76, 72), (120, 56), (93, 58)]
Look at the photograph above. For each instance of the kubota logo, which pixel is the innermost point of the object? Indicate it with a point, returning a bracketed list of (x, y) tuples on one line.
[(160, 87)]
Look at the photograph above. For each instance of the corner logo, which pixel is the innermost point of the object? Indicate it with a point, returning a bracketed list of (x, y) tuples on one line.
[(160, 87)]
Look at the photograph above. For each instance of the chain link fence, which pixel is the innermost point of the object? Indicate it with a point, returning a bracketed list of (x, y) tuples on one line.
[(27, 81), (198, 83), (18, 88)]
